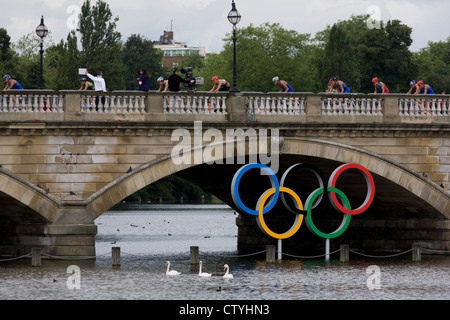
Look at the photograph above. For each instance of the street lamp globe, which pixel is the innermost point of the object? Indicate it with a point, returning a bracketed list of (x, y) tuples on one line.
[(234, 16), (41, 29)]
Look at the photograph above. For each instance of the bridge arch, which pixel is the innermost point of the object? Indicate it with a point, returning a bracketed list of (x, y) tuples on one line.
[(29, 195), (422, 188)]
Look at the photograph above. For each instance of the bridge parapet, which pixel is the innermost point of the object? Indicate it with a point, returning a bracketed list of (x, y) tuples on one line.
[(48, 105)]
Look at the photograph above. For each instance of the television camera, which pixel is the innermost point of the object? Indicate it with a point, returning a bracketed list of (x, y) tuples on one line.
[(191, 82)]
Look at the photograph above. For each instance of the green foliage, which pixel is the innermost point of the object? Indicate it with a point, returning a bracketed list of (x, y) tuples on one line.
[(139, 53), (434, 65), (7, 57), (348, 50)]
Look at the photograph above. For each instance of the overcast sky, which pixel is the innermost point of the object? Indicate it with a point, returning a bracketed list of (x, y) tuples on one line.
[(204, 22)]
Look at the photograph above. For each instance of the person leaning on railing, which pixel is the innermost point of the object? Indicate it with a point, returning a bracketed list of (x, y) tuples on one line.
[(423, 88), (380, 86), (11, 84), (339, 85)]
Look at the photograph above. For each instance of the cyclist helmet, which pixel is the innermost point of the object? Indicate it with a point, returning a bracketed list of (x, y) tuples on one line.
[(420, 83), (333, 79), (6, 76), (215, 79), (374, 80), (160, 79), (412, 83), (82, 79), (275, 79)]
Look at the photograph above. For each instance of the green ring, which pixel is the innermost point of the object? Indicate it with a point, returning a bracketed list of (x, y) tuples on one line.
[(345, 223)]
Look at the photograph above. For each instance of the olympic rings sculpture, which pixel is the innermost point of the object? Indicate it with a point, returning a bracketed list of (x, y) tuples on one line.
[(311, 202)]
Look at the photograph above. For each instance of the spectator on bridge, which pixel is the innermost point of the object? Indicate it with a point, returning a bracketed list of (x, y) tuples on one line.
[(11, 84), (175, 80), (143, 80), (100, 86), (339, 85), (380, 86), (282, 84), (422, 88), (219, 85)]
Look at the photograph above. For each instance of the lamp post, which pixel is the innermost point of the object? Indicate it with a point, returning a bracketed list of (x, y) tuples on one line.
[(42, 32), (234, 17)]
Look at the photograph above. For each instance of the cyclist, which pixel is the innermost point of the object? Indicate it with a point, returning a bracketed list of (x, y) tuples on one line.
[(339, 85), (11, 84), (422, 88), (412, 86), (162, 84), (221, 84), (379, 86), (86, 85), (282, 84)]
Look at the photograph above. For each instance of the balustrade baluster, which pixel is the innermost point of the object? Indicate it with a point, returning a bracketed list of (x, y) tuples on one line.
[(445, 107), (112, 105), (433, 109), (401, 107)]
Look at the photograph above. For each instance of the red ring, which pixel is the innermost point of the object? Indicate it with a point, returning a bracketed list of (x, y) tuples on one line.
[(370, 185)]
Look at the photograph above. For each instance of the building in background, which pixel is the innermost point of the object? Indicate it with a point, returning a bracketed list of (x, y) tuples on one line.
[(174, 51)]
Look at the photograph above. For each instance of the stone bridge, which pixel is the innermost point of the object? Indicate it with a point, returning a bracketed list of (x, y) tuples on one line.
[(67, 157)]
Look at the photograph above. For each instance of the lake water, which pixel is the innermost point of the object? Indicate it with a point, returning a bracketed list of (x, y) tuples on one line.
[(150, 236)]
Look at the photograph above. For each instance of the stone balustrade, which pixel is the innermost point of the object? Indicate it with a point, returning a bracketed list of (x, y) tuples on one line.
[(47, 105)]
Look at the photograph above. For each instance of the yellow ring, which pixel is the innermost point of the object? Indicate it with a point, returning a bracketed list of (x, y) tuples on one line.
[(294, 228)]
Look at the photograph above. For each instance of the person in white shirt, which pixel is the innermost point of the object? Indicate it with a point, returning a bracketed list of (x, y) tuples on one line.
[(100, 85)]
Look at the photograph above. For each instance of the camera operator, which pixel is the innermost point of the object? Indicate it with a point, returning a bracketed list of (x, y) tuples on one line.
[(175, 80)]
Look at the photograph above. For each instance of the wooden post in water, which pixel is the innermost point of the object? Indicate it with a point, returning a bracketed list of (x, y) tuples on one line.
[(195, 255), (416, 253), (115, 257), (36, 257), (344, 254), (270, 254)]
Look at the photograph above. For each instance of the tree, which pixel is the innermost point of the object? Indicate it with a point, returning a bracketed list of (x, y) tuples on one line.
[(7, 57), (399, 67), (28, 59), (60, 61), (101, 43), (433, 64), (262, 53), (139, 53), (338, 58)]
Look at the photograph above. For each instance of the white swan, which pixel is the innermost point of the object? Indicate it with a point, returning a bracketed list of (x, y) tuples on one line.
[(171, 272), (227, 275), (203, 274)]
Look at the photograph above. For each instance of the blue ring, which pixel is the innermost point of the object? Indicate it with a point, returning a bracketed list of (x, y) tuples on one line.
[(235, 188)]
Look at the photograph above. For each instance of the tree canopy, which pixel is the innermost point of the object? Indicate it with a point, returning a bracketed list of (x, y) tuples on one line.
[(348, 50)]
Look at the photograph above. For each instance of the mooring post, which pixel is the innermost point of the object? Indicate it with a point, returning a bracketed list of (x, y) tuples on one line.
[(327, 249), (270, 254), (115, 257), (195, 255), (416, 253), (344, 254), (36, 257), (280, 249)]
